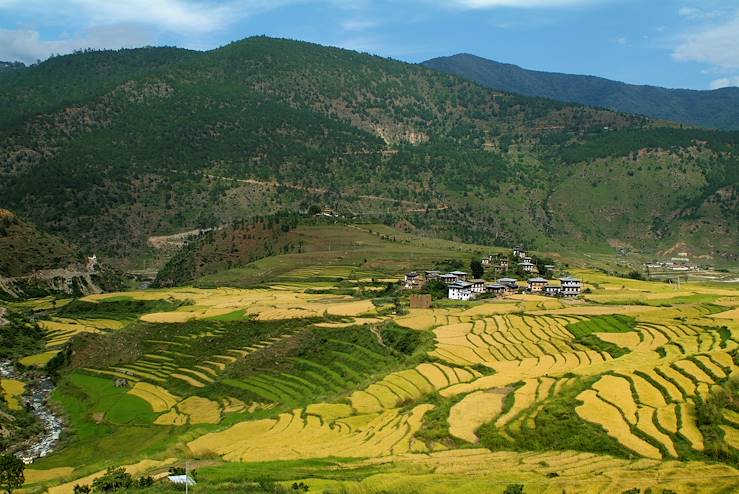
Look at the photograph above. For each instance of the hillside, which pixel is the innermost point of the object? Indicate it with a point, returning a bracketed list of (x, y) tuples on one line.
[(24, 248), (34, 263), (110, 148), (323, 376), (717, 108)]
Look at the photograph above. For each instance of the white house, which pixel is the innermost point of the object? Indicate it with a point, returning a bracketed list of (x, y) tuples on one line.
[(460, 290), (519, 252), (570, 287)]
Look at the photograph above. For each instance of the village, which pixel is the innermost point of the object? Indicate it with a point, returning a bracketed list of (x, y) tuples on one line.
[(460, 285)]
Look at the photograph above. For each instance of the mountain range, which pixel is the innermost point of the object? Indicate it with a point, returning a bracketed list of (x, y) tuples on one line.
[(108, 148), (718, 108)]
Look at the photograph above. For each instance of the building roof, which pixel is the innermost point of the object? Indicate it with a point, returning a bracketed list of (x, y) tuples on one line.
[(448, 275), (411, 274), (526, 263), (538, 280), (433, 272), (494, 285), (460, 284), (569, 278), (507, 280), (477, 281), (181, 479), (458, 273)]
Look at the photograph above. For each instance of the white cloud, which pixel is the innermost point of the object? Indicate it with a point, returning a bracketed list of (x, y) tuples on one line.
[(28, 46), (117, 23), (694, 13), (178, 16), (716, 45), (358, 24), (724, 82)]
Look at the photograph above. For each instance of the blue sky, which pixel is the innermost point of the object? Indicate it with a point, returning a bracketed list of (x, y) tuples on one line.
[(672, 43)]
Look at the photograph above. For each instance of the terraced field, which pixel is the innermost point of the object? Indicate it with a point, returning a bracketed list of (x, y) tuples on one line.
[(576, 395)]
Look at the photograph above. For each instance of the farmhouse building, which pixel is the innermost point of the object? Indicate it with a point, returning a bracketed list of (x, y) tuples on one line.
[(449, 278), (432, 275), (461, 275), (537, 284), (411, 281), (504, 265), (510, 284), (519, 252), (478, 286), (495, 288), (552, 290), (460, 290), (570, 287), (526, 266)]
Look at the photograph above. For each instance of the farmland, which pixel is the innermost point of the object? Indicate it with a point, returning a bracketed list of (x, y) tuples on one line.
[(309, 376)]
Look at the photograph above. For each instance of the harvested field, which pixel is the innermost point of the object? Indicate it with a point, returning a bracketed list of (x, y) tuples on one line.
[(12, 390), (159, 398), (474, 410), (292, 437)]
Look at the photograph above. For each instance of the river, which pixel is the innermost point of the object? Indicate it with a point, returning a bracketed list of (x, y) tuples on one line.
[(38, 391)]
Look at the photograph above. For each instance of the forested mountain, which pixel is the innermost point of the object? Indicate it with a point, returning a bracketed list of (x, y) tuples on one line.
[(8, 66), (717, 109), (25, 249), (108, 148)]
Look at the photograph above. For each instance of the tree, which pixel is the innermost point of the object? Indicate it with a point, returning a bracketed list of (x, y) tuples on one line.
[(82, 489), (11, 472), (476, 269), (114, 479)]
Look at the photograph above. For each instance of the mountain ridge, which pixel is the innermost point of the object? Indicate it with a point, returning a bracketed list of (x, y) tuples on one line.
[(718, 108), (189, 140)]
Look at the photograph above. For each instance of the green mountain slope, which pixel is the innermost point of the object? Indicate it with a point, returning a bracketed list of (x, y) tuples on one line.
[(35, 263), (190, 139), (24, 248), (712, 109)]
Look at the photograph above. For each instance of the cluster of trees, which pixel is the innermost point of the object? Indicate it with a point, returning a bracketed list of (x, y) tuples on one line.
[(115, 479), (11, 473)]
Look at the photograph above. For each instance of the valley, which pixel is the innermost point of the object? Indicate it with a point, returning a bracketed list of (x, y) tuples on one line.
[(311, 367), (278, 267)]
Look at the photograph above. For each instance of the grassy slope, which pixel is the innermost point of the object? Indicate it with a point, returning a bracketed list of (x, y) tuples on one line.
[(366, 250)]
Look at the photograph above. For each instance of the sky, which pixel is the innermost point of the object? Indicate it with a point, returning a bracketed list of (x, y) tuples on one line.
[(672, 43)]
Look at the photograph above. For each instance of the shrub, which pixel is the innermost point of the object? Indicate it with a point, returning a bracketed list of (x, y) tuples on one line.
[(513, 489)]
